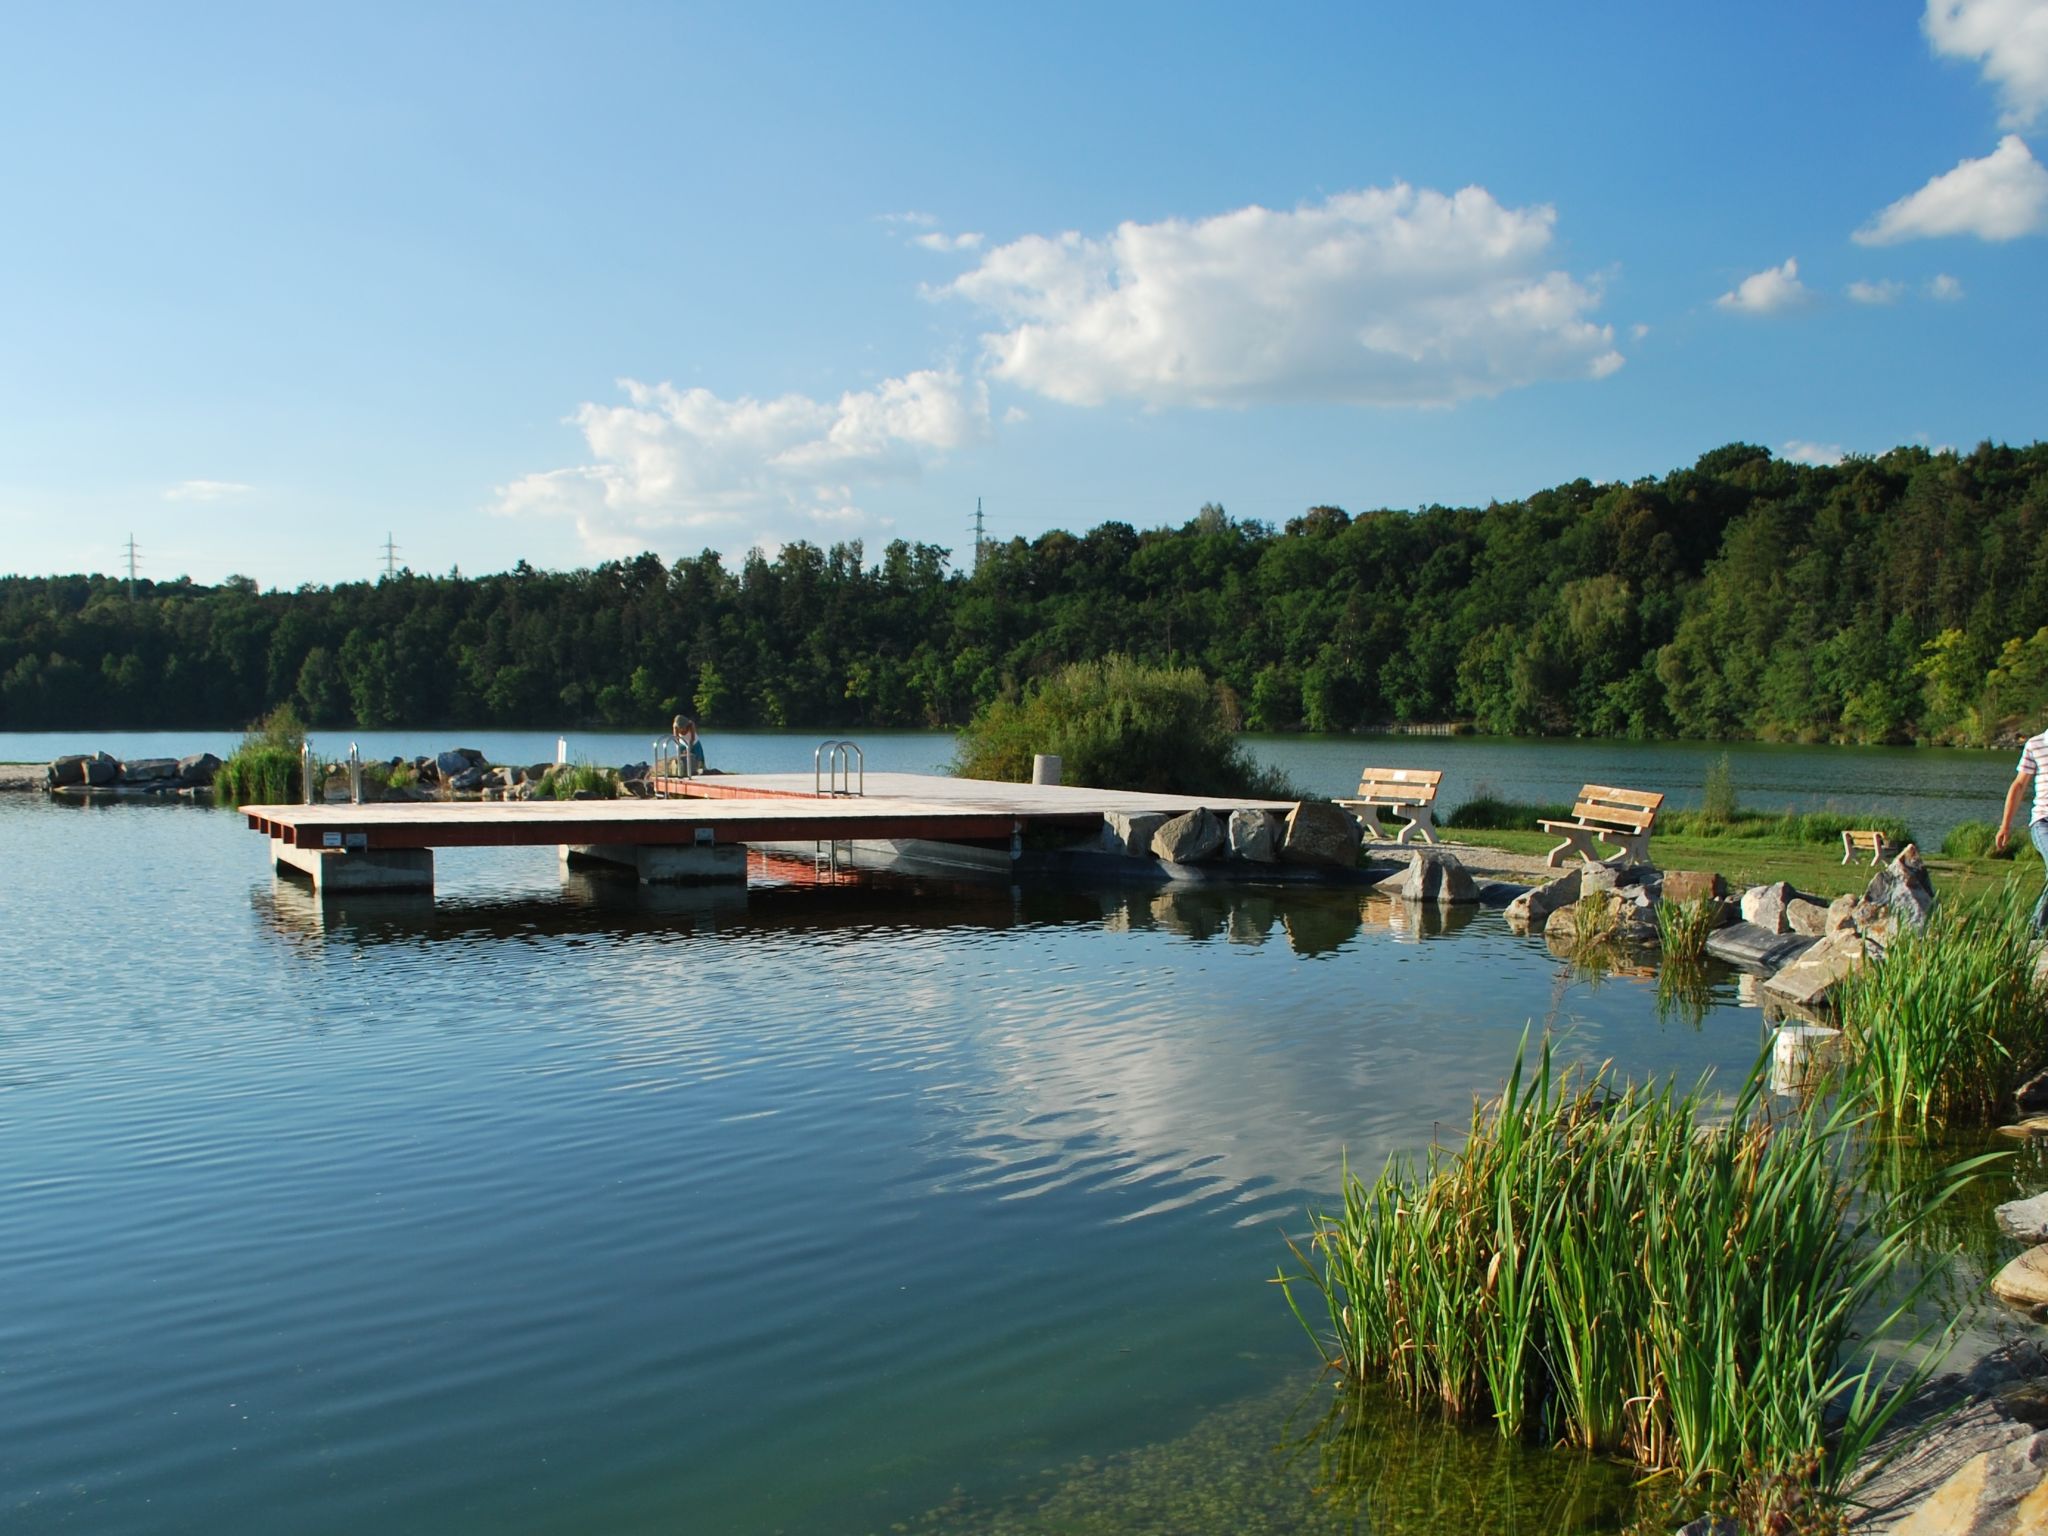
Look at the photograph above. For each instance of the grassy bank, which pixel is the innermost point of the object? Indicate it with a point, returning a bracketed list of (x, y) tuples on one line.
[(1628, 1270)]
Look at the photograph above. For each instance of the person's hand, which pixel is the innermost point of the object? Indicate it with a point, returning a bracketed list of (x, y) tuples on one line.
[(2004, 836)]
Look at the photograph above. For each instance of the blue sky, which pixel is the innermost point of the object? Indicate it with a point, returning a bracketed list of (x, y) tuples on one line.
[(565, 283)]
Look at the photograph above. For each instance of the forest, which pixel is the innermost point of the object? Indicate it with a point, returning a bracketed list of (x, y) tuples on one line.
[(1896, 598)]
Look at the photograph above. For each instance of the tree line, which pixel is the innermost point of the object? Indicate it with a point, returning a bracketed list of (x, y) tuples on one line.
[(1894, 598)]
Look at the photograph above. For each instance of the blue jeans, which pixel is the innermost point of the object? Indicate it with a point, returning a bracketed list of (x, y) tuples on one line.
[(2039, 832)]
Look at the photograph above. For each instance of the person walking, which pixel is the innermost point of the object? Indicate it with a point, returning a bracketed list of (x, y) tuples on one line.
[(2033, 770)]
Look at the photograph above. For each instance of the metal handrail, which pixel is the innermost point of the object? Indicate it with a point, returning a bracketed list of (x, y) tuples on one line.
[(833, 775), (306, 773), (355, 775)]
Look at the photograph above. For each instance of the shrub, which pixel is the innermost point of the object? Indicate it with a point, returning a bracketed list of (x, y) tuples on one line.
[(265, 768), (1953, 1017), (1968, 840), (1118, 724), (1717, 799), (1629, 1270), (1488, 812)]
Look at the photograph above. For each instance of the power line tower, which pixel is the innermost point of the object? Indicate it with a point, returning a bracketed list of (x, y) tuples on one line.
[(979, 537), (390, 556), (134, 559)]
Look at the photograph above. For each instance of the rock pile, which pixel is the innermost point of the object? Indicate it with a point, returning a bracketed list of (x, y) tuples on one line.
[(1314, 833), (96, 772)]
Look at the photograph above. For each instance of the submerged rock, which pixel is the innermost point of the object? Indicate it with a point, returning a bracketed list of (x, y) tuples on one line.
[(1809, 981), (1131, 833), (1532, 909), (2026, 1220), (1433, 877), (1756, 948), (2024, 1282)]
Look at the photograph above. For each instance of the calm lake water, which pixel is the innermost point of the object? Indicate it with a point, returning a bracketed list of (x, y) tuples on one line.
[(559, 1205), (1931, 788)]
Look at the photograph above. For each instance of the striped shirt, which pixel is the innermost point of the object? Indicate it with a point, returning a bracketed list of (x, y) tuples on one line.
[(2034, 760)]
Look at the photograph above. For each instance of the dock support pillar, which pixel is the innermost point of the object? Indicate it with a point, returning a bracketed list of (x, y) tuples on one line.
[(666, 863), (335, 871)]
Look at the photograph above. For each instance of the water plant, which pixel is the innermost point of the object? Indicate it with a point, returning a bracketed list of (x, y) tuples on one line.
[(1683, 928), (1628, 1269), (1953, 1017), (264, 769), (571, 780)]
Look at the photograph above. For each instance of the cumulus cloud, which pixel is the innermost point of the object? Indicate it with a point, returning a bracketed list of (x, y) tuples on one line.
[(913, 217), (1767, 292), (1389, 296), (939, 241), (1799, 451), (1886, 291), (2007, 38), (1945, 288), (2000, 197), (670, 459), (206, 490)]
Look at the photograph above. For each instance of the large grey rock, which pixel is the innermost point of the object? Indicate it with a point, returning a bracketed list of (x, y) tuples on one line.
[(2026, 1220), (1255, 835), (1627, 915), (1756, 948), (101, 769), (1433, 877), (1841, 914), (447, 765), (1322, 834), (1903, 888), (1188, 838), (1532, 909), (2031, 1097), (65, 771), (1131, 833), (199, 768), (1809, 981), (149, 770), (1999, 1492), (2024, 1282), (467, 779), (1764, 906), (1803, 915)]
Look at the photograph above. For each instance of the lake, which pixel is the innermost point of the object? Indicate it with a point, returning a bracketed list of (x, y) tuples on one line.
[(1930, 788), (556, 1204)]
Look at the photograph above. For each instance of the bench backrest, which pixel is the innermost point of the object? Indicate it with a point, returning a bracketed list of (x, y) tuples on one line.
[(1872, 840), (1632, 810), (1405, 786)]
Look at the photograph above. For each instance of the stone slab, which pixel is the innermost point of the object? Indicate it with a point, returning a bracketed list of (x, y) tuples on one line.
[(2026, 1220), (1756, 948)]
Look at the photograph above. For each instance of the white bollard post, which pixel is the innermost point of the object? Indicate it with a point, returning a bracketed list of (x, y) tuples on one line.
[(561, 751), (1045, 768)]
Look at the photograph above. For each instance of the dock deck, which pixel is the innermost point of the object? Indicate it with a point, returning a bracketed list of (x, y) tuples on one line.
[(697, 831)]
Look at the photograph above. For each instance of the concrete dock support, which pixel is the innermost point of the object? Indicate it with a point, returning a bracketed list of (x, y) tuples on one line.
[(666, 864), (334, 870)]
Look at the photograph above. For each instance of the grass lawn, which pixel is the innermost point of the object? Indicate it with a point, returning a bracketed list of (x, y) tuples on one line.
[(1812, 867)]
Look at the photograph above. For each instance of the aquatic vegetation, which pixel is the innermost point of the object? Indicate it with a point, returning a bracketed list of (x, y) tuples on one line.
[(264, 769), (1683, 928), (1953, 1017), (573, 779), (1630, 1270)]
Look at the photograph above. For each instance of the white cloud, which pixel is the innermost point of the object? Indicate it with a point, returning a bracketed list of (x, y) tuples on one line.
[(2009, 38), (1638, 331), (938, 241), (206, 490), (1389, 296), (1945, 288), (2000, 197), (1767, 292), (913, 218), (1886, 291), (1799, 451), (674, 459)]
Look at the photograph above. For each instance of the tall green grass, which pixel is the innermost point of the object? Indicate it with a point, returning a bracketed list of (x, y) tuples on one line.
[(264, 769), (1953, 1017), (1683, 928), (1629, 1270), (570, 780)]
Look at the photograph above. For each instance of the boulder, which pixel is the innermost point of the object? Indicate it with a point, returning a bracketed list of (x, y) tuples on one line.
[(1755, 947), (2024, 1282), (65, 771), (1188, 838), (1532, 909), (1903, 888), (1255, 835), (448, 764), (1803, 915), (1627, 916), (466, 779), (1841, 915), (634, 771), (2033, 1125), (101, 769), (149, 770), (2031, 1097), (1131, 833), (2026, 1220), (1808, 981), (1999, 1492), (1764, 905), (1433, 876), (1691, 884), (1321, 833), (199, 768)]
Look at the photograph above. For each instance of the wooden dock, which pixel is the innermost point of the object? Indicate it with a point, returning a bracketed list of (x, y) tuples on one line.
[(699, 830)]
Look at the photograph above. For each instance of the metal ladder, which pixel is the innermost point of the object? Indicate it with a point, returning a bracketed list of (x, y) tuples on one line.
[(833, 767)]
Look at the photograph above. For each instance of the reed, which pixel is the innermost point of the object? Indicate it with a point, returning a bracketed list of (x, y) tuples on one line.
[(1628, 1270), (574, 780), (1952, 1018), (1683, 928), (264, 768)]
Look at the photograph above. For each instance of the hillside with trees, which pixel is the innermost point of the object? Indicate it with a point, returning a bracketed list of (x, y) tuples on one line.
[(1896, 598)]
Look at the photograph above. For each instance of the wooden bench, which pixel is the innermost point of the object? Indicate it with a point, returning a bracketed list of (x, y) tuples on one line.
[(1873, 843), (1622, 817), (1407, 792)]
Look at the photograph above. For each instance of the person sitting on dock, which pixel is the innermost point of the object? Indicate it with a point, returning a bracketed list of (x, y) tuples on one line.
[(684, 730)]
